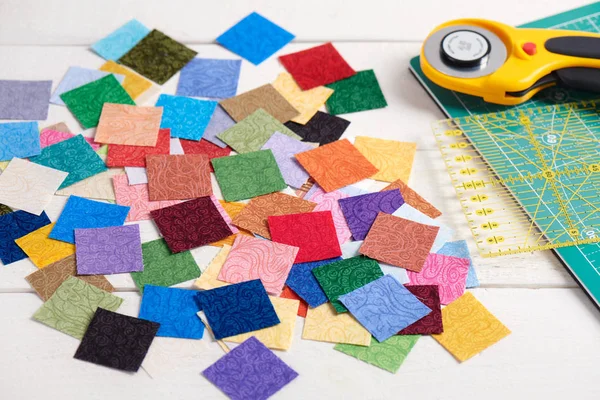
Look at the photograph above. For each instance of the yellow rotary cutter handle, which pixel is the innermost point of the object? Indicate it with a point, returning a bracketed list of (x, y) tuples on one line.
[(507, 65)]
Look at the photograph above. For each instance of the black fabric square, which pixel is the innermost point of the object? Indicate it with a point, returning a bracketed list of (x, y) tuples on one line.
[(323, 128)]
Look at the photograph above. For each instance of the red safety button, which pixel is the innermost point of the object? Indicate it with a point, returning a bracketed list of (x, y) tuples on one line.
[(530, 48)]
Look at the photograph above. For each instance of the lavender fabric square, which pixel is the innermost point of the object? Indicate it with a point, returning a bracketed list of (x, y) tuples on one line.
[(360, 211), (26, 100), (250, 371), (284, 148), (209, 77), (112, 250), (219, 122), (75, 77)]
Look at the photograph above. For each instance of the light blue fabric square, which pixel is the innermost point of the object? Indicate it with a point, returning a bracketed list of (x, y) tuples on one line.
[(303, 282), (186, 117), (19, 139), (78, 76), (209, 77), (460, 249), (119, 42)]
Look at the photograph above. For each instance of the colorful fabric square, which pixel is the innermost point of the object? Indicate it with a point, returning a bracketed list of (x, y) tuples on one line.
[(361, 211), (235, 309), (24, 100), (95, 187), (133, 84), (116, 340), (336, 165), (322, 128), (253, 132), (317, 66), (191, 224), (324, 324), (208, 279), (129, 125), (329, 202), (444, 233), (388, 355), (76, 77), (86, 102), (313, 232), (449, 273), (49, 137), (232, 209), (19, 139), (394, 159), (178, 177), (288, 293), (224, 214), (186, 117), (174, 309), (13, 226), (219, 122), (42, 250), (110, 250), (209, 77), (72, 306), (80, 213), (255, 38), (278, 337), (413, 199), (119, 42), (254, 216), (45, 281), (245, 176), (265, 97), (253, 258), (136, 198), (469, 328), (342, 277), (304, 283), (157, 57), (205, 147), (399, 242), (307, 102), (29, 187), (163, 268), (432, 322), (250, 371), (360, 92), (460, 249), (284, 148), (135, 156)]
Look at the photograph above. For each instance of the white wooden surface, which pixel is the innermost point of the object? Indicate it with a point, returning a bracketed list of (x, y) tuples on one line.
[(555, 343)]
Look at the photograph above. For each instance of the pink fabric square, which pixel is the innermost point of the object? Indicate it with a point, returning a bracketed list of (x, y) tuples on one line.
[(254, 258), (329, 202), (224, 214), (447, 272), (49, 137), (136, 197)]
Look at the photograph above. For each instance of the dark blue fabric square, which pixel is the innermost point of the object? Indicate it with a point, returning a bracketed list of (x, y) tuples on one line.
[(239, 308), (13, 226), (304, 283)]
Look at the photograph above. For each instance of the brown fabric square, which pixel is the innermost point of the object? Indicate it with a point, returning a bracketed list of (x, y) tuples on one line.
[(413, 199), (265, 97), (178, 177)]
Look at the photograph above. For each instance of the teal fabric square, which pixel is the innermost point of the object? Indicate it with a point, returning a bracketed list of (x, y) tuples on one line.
[(119, 42), (186, 117), (19, 139)]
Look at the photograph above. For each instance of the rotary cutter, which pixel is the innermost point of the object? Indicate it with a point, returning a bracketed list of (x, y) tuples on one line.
[(507, 65)]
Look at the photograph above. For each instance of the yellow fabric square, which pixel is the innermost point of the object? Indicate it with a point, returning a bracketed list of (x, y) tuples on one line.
[(133, 84), (232, 209), (307, 102), (278, 337), (324, 324), (208, 279), (469, 328), (41, 249), (393, 159)]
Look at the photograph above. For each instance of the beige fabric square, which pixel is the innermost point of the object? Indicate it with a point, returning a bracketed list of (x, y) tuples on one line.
[(324, 324), (129, 125), (208, 279), (265, 97), (307, 102)]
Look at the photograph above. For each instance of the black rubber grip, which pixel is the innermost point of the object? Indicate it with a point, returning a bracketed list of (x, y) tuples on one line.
[(575, 46), (579, 78)]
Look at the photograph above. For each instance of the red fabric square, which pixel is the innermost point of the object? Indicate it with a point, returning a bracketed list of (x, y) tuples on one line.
[(432, 322), (314, 233), (120, 155), (204, 147), (288, 293), (317, 66)]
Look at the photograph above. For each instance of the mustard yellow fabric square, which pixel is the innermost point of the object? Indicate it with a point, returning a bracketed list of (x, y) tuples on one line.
[(41, 249), (469, 328), (324, 324), (133, 84), (208, 279), (307, 102), (393, 159)]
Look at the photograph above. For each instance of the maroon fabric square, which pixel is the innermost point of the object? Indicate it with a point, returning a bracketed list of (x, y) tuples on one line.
[(432, 322)]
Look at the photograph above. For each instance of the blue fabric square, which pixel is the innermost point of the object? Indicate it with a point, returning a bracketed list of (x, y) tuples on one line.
[(80, 213), (238, 308), (19, 139), (174, 309), (13, 226), (384, 307), (460, 249), (303, 282), (119, 42), (255, 38), (209, 77), (186, 117), (76, 77)]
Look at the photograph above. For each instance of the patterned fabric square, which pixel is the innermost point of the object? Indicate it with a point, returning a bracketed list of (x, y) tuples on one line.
[(178, 177), (49, 137), (186, 117), (330, 202), (42, 250), (284, 148), (324, 324), (394, 159), (205, 147), (208, 279), (432, 322), (219, 122), (232, 209), (255, 38), (360, 92), (460, 249), (98, 186), (19, 139), (119, 42), (13, 226), (265, 97), (322, 128), (133, 84), (307, 102), (413, 199), (135, 156), (209, 77), (444, 233), (388, 355), (288, 293), (75, 77), (129, 125), (449, 273), (304, 283), (24, 100), (136, 198)]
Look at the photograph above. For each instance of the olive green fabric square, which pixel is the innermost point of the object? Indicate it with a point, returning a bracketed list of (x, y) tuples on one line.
[(388, 355), (360, 92), (5, 209)]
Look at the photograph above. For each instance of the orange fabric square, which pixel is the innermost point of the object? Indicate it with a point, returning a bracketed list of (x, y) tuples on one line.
[(232, 209), (130, 125), (336, 165), (178, 177), (413, 199), (254, 216), (120, 155), (288, 293)]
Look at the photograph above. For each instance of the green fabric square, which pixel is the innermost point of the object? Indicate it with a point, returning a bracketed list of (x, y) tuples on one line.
[(344, 276), (251, 133), (85, 102), (5, 209), (72, 306), (360, 92), (388, 355), (158, 57), (163, 268), (248, 175)]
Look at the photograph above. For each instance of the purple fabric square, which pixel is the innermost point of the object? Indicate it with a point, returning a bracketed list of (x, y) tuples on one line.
[(360, 211), (284, 148), (112, 250), (26, 100), (250, 371), (219, 122)]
